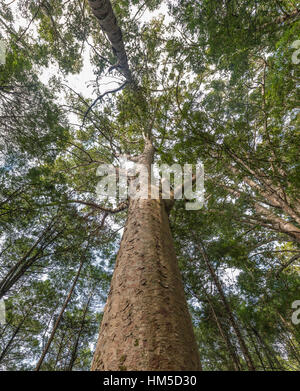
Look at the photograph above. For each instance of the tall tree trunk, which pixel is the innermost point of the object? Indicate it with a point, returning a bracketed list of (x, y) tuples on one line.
[(103, 11), (68, 298), (227, 308), (146, 324), (223, 332), (6, 349)]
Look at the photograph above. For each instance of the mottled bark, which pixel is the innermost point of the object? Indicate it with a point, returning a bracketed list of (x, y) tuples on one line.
[(146, 324), (103, 11), (74, 352)]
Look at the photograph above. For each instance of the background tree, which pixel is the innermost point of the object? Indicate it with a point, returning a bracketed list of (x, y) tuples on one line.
[(218, 84)]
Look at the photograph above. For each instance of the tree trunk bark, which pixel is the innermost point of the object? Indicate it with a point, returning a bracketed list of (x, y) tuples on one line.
[(146, 324)]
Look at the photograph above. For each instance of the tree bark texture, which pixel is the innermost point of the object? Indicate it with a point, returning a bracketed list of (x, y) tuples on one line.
[(103, 11)]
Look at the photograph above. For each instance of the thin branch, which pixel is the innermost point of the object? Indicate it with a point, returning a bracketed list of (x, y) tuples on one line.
[(102, 96), (293, 259)]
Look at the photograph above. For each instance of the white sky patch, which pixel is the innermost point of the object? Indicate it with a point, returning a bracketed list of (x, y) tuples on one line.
[(82, 82), (230, 275)]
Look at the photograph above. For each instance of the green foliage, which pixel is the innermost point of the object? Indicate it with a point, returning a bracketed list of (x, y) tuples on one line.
[(216, 83)]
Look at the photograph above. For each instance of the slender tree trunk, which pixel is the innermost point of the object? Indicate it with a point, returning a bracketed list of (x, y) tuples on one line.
[(146, 324), (38, 366), (20, 268), (103, 11), (60, 347), (268, 352), (227, 308), (5, 350), (292, 348), (249, 332), (224, 334), (75, 347), (15, 333)]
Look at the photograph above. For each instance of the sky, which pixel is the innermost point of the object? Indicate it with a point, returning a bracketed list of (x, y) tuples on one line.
[(81, 83)]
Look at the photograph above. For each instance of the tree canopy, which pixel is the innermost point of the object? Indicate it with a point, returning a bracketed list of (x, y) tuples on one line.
[(214, 81)]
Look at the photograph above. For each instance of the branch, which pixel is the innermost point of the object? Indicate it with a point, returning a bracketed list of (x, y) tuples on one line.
[(293, 259), (100, 97), (119, 208), (282, 19), (104, 13)]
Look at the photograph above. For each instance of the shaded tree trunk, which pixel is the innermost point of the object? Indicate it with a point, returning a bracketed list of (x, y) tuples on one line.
[(15, 333), (227, 308), (225, 336), (251, 337), (21, 267), (269, 353), (146, 324), (60, 348), (223, 332), (103, 11), (74, 352), (57, 322)]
